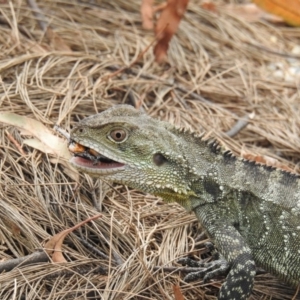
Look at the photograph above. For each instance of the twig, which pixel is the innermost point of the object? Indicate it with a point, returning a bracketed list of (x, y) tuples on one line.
[(82, 270), (39, 184), (94, 249), (177, 269), (260, 47), (38, 14), (130, 99), (117, 258), (296, 293), (34, 258), (62, 132), (193, 94), (15, 142), (239, 125)]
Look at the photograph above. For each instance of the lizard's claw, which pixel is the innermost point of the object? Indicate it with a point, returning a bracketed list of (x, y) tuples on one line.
[(219, 266), (210, 269)]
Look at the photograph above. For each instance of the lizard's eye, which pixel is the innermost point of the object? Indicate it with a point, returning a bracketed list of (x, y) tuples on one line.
[(118, 135)]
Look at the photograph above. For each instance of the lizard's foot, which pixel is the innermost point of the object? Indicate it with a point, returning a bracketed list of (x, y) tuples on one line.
[(210, 270)]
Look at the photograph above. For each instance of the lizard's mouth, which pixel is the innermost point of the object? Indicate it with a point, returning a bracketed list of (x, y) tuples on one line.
[(89, 158)]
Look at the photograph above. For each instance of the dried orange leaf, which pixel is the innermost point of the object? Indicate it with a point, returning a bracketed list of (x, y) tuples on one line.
[(159, 7), (266, 160), (177, 292), (209, 6), (147, 14), (249, 12), (289, 10), (167, 25), (53, 246)]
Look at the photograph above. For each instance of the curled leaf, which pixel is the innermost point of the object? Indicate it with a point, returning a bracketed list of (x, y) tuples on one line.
[(53, 246), (147, 14), (289, 10), (167, 26), (44, 140)]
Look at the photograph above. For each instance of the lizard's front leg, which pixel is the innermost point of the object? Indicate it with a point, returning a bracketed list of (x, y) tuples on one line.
[(232, 246), (239, 281), (240, 264)]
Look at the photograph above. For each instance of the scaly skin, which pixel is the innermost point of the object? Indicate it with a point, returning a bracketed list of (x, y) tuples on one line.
[(250, 211)]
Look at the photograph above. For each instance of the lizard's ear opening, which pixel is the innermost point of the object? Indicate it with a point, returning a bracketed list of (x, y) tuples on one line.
[(159, 159)]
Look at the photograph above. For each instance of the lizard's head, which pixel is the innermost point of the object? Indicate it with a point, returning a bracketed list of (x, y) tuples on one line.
[(126, 146)]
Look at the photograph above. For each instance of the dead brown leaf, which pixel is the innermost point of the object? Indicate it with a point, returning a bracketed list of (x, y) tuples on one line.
[(266, 160), (147, 14), (209, 6), (53, 246), (52, 143), (289, 10), (43, 139), (249, 12), (177, 292), (167, 26)]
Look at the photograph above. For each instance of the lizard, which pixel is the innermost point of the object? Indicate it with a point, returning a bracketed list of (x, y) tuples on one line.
[(250, 211)]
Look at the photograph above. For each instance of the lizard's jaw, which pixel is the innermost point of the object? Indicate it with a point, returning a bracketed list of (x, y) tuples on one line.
[(91, 161), (87, 163)]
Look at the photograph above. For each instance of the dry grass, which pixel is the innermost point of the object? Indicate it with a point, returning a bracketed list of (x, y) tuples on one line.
[(214, 56)]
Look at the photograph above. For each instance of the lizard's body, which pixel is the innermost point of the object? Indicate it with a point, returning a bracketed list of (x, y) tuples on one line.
[(250, 211)]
